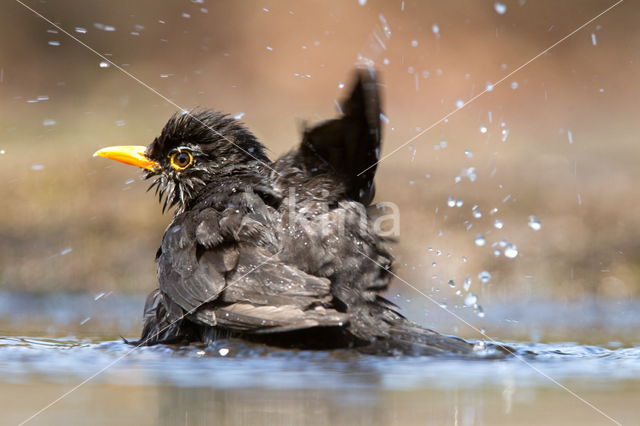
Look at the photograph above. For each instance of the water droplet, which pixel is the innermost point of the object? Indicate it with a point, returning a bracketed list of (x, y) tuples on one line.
[(436, 30), (514, 85), (480, 311), (489, 87), (53, 43), (534, 223), (451, 202), (2, 152), (470, 300), (269, 48), (500, 8), (468, 153), (98, 296), (48, 122), (480, 240), (104, 64), (362, 2), (594, 40), (104, 27), (511, 251), (238, 116), (459, 203), (483, 129), (80, 30), (484, 277), (414, 43), (470, 173), (459, 103), (570, 136), (498, 224), (451, 283), (340, 85), (466, 285), (86, 320), (504, 135), (475, 211), (66, 251), (223, 351)]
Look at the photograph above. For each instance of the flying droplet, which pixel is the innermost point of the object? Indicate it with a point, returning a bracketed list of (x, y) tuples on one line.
[(480, 240), (484, 277), (466, 285), (500, 8), (534, 223), (511, 251), (483, 129), (104, 64), (498, 224), (470, 300)]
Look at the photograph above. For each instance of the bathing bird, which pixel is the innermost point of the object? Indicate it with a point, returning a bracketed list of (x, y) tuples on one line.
[(281, 252)]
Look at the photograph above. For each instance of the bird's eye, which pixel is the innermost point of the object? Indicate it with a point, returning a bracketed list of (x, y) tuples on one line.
[(181, 160)]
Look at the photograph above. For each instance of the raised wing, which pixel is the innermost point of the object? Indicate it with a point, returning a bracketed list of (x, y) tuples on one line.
[(349, 146)]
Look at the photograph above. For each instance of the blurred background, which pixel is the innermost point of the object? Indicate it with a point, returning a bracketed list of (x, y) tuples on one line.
[(529, 193)]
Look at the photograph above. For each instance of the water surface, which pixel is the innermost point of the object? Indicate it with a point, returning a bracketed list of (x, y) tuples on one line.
[(231, 382)]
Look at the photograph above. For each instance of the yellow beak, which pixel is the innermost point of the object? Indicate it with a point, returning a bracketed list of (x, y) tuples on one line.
[(133, 155)]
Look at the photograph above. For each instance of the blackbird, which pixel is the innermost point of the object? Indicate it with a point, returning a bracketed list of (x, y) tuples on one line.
[(281, 253)]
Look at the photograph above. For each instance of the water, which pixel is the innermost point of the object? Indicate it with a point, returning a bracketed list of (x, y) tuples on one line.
[(237, 383)]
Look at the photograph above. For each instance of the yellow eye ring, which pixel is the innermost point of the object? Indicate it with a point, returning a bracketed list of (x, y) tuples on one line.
[(181, 160)]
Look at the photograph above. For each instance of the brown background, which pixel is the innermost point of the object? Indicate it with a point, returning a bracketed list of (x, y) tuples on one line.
[(55, 197)]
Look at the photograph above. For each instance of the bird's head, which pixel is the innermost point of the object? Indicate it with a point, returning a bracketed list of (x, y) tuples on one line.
[(194, 150)]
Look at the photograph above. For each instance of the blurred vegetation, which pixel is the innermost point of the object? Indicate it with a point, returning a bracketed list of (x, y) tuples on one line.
[(570, 158)]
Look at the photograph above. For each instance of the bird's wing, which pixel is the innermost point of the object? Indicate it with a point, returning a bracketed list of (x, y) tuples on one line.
[(349, 146), (221, 268)]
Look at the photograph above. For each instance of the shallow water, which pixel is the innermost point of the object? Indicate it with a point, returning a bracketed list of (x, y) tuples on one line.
[(234, 383)]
